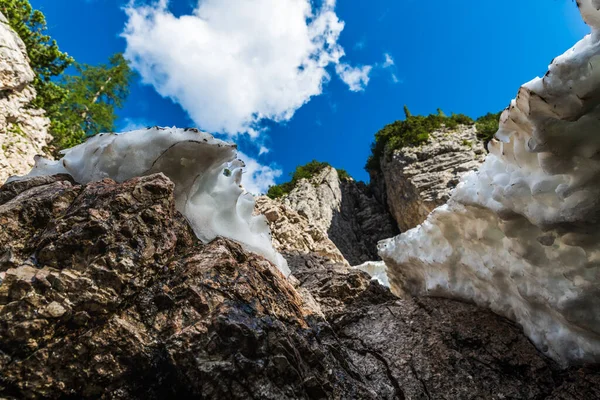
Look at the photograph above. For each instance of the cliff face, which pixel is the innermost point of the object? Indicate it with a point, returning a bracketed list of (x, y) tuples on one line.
[(23, 130), (346, 211), (105, 292), (418, 179), (291, 231)]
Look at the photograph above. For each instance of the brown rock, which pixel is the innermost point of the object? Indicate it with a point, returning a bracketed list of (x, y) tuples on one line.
[(113, 297)]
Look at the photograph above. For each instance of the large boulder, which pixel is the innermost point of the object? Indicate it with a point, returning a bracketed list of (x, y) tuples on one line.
[(106, 292)]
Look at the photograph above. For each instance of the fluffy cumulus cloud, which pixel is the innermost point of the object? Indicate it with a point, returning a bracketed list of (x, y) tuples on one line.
[(232, 63), (257, 177)]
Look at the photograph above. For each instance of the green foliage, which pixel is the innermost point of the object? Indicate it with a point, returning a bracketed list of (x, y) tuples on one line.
[(343, 174), (78, 105), (407, 113), (306, 171), (487, 126), (92, 96), (413, 131)]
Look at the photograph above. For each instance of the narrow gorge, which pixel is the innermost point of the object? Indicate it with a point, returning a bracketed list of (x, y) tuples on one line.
[(136, 265)]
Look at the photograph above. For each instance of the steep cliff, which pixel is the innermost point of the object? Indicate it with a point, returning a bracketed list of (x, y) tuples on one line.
[(345, 210), (416, 179), (23, 129), (291, 231)]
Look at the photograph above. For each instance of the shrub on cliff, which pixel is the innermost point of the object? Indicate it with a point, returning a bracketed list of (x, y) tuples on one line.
[(487, 126), (414, 130), (305, 171)]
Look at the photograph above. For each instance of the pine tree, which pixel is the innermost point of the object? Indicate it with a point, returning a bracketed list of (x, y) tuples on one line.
[(407, 113), (92, 96)]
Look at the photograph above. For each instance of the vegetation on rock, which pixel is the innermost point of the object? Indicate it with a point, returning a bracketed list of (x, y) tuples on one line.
[(305, 171), (414, 130), (487, 126), (77, 105)]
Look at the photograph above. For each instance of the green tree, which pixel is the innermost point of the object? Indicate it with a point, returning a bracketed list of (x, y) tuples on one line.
[(487, 126), (92, 96), (407, 113)]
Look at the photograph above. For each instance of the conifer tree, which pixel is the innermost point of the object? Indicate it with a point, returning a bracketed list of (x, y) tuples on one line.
[(92, 96)]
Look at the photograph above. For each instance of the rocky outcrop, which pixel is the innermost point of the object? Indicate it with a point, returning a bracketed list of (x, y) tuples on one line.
[(23, 129), (419, 179), (291, 231), (430, 348), (345, 210), (105, 292)]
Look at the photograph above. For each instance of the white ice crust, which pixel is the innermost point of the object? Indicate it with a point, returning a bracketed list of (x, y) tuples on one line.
[(213, 203), (377, 270), (521, 235)]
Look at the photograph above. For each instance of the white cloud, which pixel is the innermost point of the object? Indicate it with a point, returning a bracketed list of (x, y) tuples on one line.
[(132, 124), (357, 78), (257, 178), (263, 150), (395, 79), (233, 63), (389, 61)]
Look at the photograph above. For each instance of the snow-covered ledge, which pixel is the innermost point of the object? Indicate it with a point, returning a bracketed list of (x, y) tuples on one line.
[(522, 235), (214, 203)]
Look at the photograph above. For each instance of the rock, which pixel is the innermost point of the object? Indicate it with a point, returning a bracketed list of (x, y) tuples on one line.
[(346, 211), (108, 294), (23, 129), (293, 232), (419, 179), (431, 348)]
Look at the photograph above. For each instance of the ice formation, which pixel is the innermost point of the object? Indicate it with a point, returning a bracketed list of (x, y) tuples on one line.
[(214, 203), (377, 270), (521, 235)]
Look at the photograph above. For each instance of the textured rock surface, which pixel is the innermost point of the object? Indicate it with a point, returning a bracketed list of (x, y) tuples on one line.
[(294, 232), (432, 348), (419, 179), (105, 292), (346, 210), (23, 130)]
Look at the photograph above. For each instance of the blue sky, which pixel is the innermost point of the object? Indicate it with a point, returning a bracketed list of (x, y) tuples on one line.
[(463, 56)]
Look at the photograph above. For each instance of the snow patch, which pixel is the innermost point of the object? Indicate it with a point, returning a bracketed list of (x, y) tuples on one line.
[(214, 203), (522, 235)]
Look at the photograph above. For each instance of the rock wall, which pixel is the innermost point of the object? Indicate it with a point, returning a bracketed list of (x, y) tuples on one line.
[(346, 211), (291, 231), (105, 292), (23, 129), (419, 179)]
